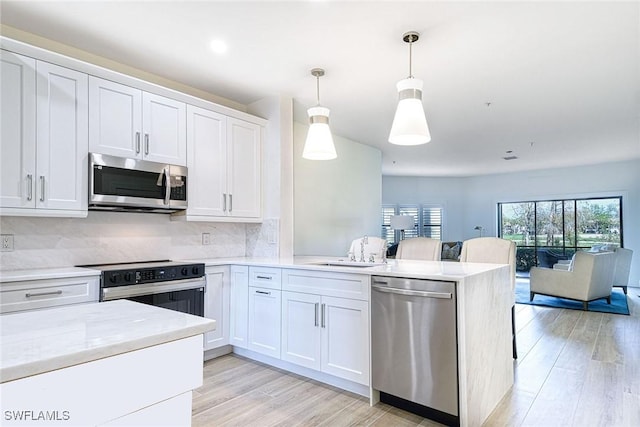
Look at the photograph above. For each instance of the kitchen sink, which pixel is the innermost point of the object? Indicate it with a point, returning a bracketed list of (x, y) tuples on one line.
[(355, 264)]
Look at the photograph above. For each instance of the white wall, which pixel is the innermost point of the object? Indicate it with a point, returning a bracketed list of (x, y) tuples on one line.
[(477, 197), (335, 201), (446, 192)]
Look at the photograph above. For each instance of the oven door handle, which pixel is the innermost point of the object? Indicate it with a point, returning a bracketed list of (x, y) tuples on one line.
[(120, 292)]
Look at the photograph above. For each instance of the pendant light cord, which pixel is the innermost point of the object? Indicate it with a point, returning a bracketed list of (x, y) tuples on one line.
[(318, 89), (410, 57)]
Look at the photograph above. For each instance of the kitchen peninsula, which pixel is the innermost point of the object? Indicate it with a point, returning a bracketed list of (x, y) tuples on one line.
[(281, 307), (314, 319), (113, 363)]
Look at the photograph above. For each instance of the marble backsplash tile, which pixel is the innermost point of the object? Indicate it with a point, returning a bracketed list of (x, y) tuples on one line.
[(105, 237), (262, 239)]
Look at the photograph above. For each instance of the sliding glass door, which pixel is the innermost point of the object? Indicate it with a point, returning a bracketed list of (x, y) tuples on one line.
[(549, 230)]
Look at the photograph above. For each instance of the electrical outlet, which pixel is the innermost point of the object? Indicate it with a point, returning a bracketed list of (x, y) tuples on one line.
[(206, 238), (7, 243)]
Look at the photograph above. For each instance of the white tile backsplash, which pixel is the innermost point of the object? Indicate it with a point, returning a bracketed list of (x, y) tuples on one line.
[(105, 237)]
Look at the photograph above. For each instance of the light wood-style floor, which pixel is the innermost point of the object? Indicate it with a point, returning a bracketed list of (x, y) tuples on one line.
[(574, 368)]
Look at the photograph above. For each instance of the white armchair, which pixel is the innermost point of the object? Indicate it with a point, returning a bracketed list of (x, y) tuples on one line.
[(590, 278), (622, 268), (420, 248)]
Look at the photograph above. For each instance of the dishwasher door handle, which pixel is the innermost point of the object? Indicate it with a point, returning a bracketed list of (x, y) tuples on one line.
[(426, 294)]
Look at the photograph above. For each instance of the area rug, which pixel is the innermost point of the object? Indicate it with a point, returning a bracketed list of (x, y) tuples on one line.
[(618, 300)]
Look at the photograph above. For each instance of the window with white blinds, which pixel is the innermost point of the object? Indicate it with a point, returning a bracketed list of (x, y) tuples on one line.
[(427, 220)]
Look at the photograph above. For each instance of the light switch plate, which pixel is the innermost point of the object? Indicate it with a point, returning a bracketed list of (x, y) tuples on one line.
[(7, 242)]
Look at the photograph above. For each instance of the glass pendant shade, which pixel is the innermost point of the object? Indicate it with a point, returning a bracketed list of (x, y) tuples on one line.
[(319, 143), (409, 124)]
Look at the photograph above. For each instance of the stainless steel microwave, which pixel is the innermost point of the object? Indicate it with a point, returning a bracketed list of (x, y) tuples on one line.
[(117, 183)]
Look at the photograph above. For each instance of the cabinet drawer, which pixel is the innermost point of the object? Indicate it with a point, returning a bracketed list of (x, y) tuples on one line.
[(343, 285), (265, 277), (31, 295)]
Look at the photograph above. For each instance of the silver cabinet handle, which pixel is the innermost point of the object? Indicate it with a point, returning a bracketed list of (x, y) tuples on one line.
[(30, 187), (322, 324), (317, 307), (167, 191), (426, 294), (264, 277), (263, 292), (41, 294), (224, 202), (137, 142), (146, 143), (230, 202), (42, 188)]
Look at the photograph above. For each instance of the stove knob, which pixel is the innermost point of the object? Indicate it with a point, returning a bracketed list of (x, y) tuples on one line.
[(195, 270), (184, 271), (113, 278), (127, 277)]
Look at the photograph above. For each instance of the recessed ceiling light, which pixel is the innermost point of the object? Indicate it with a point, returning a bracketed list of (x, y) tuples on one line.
[(218, 46)]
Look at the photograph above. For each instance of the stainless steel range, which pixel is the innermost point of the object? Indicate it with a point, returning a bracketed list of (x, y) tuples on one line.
[(177, 286)]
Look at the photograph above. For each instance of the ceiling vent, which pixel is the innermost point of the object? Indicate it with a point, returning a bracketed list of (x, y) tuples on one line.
[(510, 157)]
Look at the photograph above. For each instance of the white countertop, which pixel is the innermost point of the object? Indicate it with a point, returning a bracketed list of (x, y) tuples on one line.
[(433, 270), (40, 341), (46, 273)]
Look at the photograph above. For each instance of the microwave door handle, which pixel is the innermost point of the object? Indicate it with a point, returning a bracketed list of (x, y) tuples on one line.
[(167, 191)]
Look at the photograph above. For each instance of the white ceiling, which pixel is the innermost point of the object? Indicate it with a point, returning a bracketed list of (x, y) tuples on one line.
[(562, 78)]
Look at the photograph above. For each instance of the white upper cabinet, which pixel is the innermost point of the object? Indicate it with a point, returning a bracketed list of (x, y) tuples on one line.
[(244, 184), (62, 138), (206, 162), (127, 122), (18, 143), (44, 138), (224, 161)]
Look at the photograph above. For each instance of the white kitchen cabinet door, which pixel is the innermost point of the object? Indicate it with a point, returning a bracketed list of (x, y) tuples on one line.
[(18, 127), (206, 161), (244, 152), (239, 316), (164, 130), (115, 118), (127, 122), (301, 337), (62, 138), (217, 300), (345, 338), (264, 321)]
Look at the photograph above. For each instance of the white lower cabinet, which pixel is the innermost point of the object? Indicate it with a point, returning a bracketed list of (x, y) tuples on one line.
[(301, 338), (325, 332), (345, 339), (216, 306), (48, 293), (239, 316), (264, 321)]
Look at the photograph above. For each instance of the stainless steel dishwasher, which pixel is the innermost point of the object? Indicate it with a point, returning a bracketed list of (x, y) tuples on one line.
[(414, 347)]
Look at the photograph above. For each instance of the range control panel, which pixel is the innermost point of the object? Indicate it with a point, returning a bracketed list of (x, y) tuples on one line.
[(134, 276)]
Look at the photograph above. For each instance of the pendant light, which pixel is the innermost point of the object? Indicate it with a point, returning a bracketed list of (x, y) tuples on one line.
[(319, 143), (409, 124)]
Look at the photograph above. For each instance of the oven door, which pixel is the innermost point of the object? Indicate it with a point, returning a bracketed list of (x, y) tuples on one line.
[(186, 296)]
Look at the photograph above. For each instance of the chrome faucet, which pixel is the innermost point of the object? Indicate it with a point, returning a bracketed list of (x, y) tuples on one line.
[(363, 241)]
